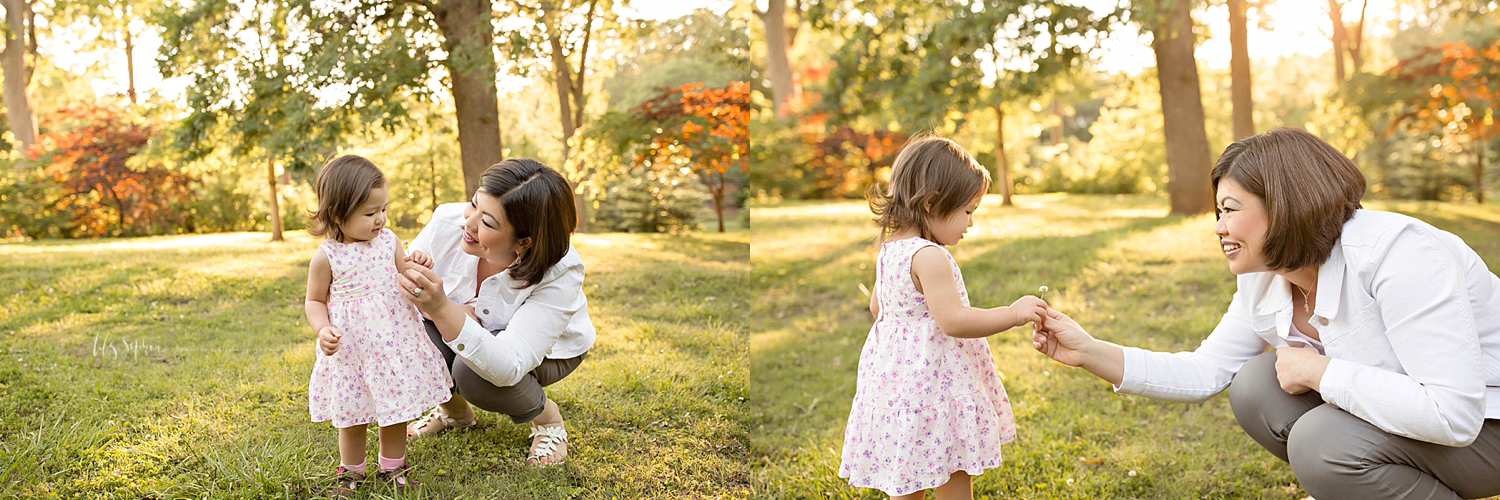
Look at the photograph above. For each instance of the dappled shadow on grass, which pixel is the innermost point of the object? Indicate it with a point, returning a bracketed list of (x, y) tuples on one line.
[(196, 383)]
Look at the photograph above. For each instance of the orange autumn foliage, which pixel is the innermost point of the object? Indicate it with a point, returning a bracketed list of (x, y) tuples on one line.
[(1461, 98), (704, 129), (86, 154)]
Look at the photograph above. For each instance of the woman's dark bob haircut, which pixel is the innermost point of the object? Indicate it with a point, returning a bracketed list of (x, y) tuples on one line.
[(538, 204), (1309, 188)]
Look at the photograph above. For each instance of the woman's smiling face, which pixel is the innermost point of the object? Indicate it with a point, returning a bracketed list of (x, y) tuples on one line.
[(1241, 228), (487, 234)]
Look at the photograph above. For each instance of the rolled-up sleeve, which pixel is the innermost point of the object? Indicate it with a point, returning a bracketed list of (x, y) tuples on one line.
[(1196, 375), (503, 357), (1421, 293)]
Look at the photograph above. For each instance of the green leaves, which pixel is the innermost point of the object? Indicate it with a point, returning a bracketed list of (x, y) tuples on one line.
[(290, 80), (925, 61)]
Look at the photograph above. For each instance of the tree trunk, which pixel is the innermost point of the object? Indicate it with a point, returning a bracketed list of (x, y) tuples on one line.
[(563, 76), (275, 201), (570, 100), (13, 63), (1336, 13), (1057, 129), (581, 205), (719, 200), (1239, 71), (468, 35), (1479, 174), (1002, 166), (778, 64), (583, 65), (130, 62), (1182, 112), (1356, 42)]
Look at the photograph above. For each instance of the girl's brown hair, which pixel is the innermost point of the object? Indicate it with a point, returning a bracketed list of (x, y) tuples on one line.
[(538, 204), (343, 185), (1309, 188), (931, 178)]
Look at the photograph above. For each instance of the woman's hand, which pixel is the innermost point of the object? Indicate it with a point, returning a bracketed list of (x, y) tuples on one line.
[(423, 288), (419, 258), (1061, 338), (328, 340), (1300, 369)]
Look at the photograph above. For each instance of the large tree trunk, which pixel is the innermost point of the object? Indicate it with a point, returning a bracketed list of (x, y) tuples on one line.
[(778, 64), (17, 76), (275, 201), (1336, 14), (1182, 112), (468, 35), (1239, 71), (1002, 166)]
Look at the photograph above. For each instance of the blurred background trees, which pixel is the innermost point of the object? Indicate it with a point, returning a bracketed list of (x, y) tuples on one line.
[(164, 117), (230, 106), (1137, 97)]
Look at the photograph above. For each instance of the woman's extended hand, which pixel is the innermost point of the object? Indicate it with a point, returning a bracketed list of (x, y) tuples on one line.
[(1061, 338), (423, 288), (1300, 369)]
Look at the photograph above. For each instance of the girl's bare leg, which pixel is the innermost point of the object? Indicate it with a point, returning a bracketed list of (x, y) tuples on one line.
[(352, 445), (958, 487), (393, 440)]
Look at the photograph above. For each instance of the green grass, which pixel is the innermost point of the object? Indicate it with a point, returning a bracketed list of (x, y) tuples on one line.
[(1116, 264), (177, 367)]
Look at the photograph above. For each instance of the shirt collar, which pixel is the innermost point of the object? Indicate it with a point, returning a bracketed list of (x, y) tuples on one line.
[(1331, 283), (1277, 297)]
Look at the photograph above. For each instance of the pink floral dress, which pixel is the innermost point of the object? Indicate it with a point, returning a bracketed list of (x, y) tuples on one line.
[(386, 370), (926, 404)]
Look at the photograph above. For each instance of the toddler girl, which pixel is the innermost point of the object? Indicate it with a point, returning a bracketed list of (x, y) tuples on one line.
[(929, 410), (375, 363)]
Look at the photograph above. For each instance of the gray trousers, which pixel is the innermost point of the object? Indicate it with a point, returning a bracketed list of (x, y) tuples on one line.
[(1336, 455), (521, 402)]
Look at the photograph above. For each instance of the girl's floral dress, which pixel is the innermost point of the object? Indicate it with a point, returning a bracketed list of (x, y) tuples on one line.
[(386, 371), (926, 404)]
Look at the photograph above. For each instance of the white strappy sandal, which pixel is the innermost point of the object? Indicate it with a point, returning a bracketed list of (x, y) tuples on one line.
[(435, 418), (547, 446)]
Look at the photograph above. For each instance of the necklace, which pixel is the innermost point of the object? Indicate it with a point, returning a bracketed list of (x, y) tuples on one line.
[(1305, 308)]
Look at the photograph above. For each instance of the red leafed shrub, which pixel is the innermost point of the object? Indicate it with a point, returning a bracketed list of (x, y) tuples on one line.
[(94, 191)]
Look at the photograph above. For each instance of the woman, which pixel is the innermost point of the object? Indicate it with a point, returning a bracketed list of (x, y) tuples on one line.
[(1385, 377), (503, 292)]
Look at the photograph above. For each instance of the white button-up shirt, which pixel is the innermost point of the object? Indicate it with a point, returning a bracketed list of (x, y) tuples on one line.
[(517, 327), (1408, 313)]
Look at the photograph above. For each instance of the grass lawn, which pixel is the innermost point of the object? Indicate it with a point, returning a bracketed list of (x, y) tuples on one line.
[(1115, 264), (178, 367)]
